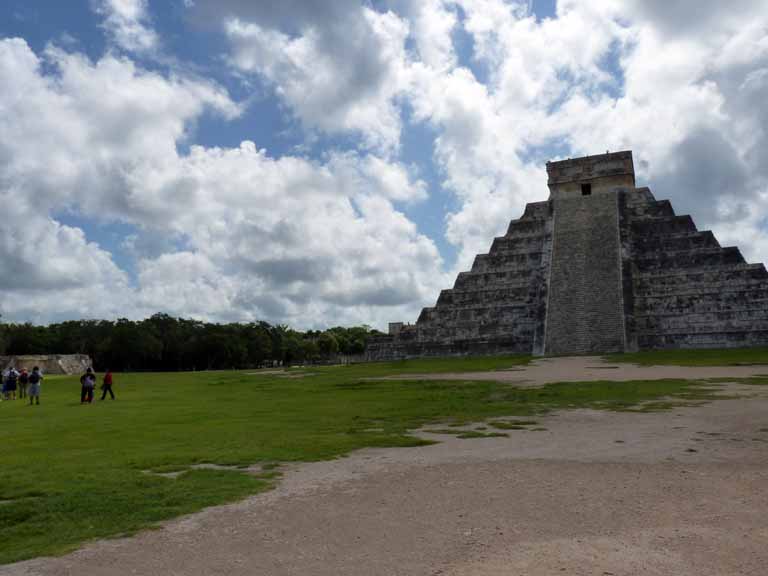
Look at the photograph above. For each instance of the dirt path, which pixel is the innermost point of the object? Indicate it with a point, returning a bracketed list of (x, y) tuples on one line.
[(584, 368), (682, 492)]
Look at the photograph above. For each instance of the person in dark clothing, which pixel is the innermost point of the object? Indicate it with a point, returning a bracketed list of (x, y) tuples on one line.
[(10, 384), (87, 384), (23, 382), (35, 380), (106, 385)]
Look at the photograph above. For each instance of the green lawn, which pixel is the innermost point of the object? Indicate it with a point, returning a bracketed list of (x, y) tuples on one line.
[(70, 473), (715, 357)]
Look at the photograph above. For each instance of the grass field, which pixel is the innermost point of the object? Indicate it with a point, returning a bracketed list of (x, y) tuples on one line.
[(70, 473), (717, 357)]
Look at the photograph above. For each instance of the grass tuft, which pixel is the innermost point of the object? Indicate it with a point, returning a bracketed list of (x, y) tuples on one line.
[(512, 424), (476, 434), (714, 357)]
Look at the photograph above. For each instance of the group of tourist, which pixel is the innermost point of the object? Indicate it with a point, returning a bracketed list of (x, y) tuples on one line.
[(27, 385), (88, 384)]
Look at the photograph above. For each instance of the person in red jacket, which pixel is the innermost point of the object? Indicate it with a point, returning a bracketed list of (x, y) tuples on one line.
[(106, 385)]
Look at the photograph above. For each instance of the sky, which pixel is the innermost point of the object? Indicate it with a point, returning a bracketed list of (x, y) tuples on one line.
[(317, 163)]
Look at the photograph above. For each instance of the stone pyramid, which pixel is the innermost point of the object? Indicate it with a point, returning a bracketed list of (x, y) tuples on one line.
[(602, 266)]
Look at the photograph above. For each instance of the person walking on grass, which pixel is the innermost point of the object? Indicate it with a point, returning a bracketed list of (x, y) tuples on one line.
[(35, 380), (87, 384), (10, 384), (23, 382), (106, 385)]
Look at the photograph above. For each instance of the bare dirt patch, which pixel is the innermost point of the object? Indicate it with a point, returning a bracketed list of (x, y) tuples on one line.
[(677, 492)]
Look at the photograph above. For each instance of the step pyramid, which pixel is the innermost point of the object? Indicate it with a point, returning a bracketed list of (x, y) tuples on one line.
[(602, 266)]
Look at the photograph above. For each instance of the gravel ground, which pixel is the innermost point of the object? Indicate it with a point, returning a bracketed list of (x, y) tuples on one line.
[(682, 492)]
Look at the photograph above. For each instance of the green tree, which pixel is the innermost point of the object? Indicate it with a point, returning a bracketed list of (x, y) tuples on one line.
[(328, 345), (292, 348), (130, 347), (259, 346), (311, 350), (3, 337)]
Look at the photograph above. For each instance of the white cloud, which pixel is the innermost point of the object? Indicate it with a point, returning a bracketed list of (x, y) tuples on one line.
[(335, 76), (50, 270), (320, 237), (707, 18), (287, 239), (127, 24), (390, 180), (433, 24), (188, 284), (98, 122), (73, 140)]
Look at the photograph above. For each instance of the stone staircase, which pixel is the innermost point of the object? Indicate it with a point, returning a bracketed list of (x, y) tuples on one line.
[(585, 312)]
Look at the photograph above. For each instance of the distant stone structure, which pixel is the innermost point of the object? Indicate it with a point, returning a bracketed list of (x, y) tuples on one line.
[(602, 266), (49, 364)]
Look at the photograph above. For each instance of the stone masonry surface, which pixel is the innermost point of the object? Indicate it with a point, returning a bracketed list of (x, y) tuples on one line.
[(49, 364), (688, 291), (585, 312), (615, 270)]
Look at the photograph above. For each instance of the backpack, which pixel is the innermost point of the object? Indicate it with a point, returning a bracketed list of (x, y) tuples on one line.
[(23, 378), (34, 378)]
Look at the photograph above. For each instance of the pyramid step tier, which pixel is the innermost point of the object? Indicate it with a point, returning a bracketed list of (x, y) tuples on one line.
[(662, 226), (500, 278), (715, 339), (699, 258), (676, 242), (486, 296)]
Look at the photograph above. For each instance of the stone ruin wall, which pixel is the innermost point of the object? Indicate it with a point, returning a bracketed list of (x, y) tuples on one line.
[(49, 364), (616, 270)]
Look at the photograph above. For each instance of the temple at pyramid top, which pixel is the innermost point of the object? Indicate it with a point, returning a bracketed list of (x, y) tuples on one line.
[(599, 174), (601, 266)]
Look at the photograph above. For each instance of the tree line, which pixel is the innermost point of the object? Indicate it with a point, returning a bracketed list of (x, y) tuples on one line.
[(166, 343)]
